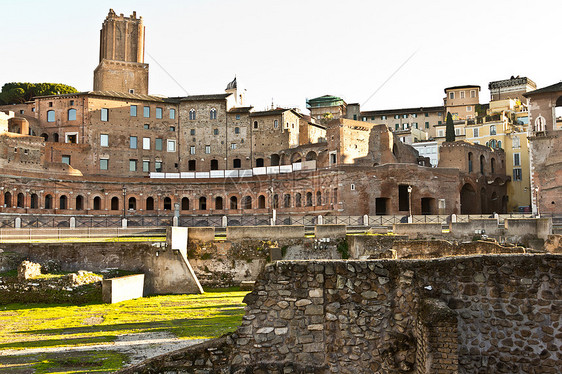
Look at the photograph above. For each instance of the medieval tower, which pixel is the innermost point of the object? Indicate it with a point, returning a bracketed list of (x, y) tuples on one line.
[(121, 67)]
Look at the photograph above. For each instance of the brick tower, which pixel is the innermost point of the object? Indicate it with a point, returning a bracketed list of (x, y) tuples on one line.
[(121, 67)]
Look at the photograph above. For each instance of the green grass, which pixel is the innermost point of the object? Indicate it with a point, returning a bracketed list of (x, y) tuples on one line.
[(42, 325)]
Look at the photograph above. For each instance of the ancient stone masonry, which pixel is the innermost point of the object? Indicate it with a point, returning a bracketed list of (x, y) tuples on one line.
[(474, 314)]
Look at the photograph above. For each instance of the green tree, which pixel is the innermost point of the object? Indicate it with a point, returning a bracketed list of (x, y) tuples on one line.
[(17, 93), (449, 129)]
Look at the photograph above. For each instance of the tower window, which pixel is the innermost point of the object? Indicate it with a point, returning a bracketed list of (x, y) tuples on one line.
[(192, 114), (146, 111), (213, 114), (133, 111), (159, 113), (104, 114)]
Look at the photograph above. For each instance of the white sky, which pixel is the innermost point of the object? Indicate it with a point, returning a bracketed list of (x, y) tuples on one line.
[(292, 50)]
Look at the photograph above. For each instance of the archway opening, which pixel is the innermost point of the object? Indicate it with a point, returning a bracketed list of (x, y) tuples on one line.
[(233, 202), (150, 203), (132, 203), (97, 203), (218, 203), (79, 202), (185, 203), (261, 202), (114, 203), (167, 203), (469, 204)]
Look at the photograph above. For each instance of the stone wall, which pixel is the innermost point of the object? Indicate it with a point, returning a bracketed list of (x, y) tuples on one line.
[(496, 313)]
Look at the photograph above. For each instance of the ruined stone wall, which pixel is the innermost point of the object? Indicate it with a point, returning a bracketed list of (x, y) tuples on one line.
[(498, 313)]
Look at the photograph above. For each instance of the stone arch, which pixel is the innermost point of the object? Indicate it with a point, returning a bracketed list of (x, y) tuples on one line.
[(45, 136), (184, 203), (261, 202), (275, 159), (247, 202), (310, 156), (34, 203), (167, 203), (63, 202), (298, 199), (309, 198), (482, 163), (8, 199), (260, 162), (97, 203), (132, 203), (469, 203), (79, 201), (114, 203), (202, 203), (233, 202), (219, 203), (150, 203), (20, 200), (296, 157), (318, 198)]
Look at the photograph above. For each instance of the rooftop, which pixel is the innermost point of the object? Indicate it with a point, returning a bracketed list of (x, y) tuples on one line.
[(324, 101), (459, 87), (556, 87)]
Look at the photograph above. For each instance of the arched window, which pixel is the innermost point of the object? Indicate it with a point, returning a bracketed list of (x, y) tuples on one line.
[(213, 114), (275, 201), (97, 203), (214, 164), (298, 202), (247, 202), (48, 202), (56, 137), (150, 203), (236, 163), (311, 156), (492, 129), (185, 203), (233, 202), (259, 162), (79, 202), (493, 166), (132, 203), (287, 201), (72, 114), (34, 203), (167, 203), (50, 116), (470, 162), (274, 160), (114, 203), (20, 200), (218, 203), (482, 164), (202, 203), (309, 199), (192, 114), (261, 202), (275, 124), (296, 157), (45, 136), (318, 198), (255, 124), (63, 202)]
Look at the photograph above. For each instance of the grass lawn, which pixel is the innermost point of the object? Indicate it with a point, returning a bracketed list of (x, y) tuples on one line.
[(48, 325)]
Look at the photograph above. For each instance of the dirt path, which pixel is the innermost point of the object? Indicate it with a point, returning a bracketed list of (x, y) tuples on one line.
[(137, 347)]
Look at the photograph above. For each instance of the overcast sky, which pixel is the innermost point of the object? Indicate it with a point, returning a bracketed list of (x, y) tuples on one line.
[(288, 51)]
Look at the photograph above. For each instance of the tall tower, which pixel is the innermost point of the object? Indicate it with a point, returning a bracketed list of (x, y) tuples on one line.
[(121, 67)]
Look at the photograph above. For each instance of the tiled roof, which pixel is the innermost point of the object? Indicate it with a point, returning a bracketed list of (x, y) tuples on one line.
[(405, 110), (556, 87)]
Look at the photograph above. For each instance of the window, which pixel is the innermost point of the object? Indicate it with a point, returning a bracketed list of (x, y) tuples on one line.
[(440, 133), (132, 165), (415, 124), (172, 128), (427, 125), (492, 129), (236, 163), (145, 143), (214, 164), (71, 102), (192, 114), (439, 123), (146, 126), (383, 118), (71, 114), (50, 104), (145, 166), (457, 131), (275, 124), (439, 114), (66, 159), (104, 164), (207, 149), (255, 124), (104, 140), (133, 142), (104, 114), (133, 111), (470, 162), (473, 93), (516, 143), (192, 150), (171, 145), (159, 113), (213, 114), (50, 116), (404, 116), (146, 112), (517, 175), (215, 131), (192, 132), (191, 165), (396, 126), (415, 115), (469, 108), (172, 114), (232, 145), (462, 94), (71, 137), (396, 116), (158, 144), (237, 130), (238, 116), (355, 117), (158, 166), (475, 133), (516, 159), (451, 95), (427, 114)]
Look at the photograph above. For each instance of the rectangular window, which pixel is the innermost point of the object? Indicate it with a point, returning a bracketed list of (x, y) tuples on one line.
[(516, 159), (192, 131), (475, 133), (383, 118), (192, 150), (145, 143), (104, 114), (492, 129), (427, 125), (104, 140), (132, 165), (146, 112), (232, 145), (171, 145), (439, 114), (133, 111), (133, 142), (238, 116), (207, 149), (439, 123), (146, 126), (104, 164), (396, 116), (172, 114), (427, 114), (146, 166), (517, 175), (469, 109), (451, 95), (415, 115), (440, 133), (158, 166), (158, 144), (415, 124), (396, 126), (473, 93), (457, 131), (66, 159), (462, 94), (172, 128), (215, 131), (404, 116), (159, 113)]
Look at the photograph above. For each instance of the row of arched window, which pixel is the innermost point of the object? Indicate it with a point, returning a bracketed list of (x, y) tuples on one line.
[(482, 164), (289, 201), (193, 114)]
